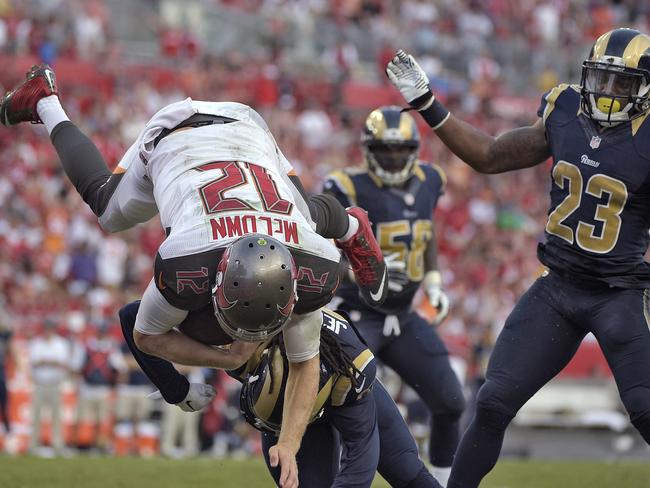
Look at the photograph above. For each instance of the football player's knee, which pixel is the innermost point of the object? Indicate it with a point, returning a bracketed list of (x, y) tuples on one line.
[(455, 404), (447, 398), (493, 398)]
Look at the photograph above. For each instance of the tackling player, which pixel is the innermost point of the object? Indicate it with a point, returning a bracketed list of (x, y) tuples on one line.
[(400, 194), (355, 427), (215, 174), (598, 137)]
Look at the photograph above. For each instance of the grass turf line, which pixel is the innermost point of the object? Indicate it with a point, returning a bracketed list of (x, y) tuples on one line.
[(110, 472)]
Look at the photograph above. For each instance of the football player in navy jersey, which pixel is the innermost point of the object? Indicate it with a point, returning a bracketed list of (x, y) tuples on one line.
[(354, 429), (400, 194), (223, 190), (597, 281)]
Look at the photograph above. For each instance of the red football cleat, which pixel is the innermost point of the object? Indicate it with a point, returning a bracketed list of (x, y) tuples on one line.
[(367, 261), (19, 105)]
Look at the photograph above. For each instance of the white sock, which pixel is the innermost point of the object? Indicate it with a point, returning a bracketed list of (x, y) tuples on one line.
[(353, 227), (51, 112), (441, 474)]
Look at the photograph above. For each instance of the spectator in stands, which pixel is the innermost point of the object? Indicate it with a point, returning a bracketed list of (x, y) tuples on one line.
[(180, 430), (134, 406), (48, 356), (101, 364)]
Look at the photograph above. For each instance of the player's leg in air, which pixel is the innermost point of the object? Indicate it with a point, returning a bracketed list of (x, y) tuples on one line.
[(536, 343), (421, 359), (124, 197), (620, 324), (36, 100)]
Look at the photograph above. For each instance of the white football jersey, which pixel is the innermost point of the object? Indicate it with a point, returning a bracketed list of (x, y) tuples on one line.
[(215, 183), (212, 185)]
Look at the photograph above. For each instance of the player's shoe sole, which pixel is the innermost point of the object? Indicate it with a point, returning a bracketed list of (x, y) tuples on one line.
[(19, 105)]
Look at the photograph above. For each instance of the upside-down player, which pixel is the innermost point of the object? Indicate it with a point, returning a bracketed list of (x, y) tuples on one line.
[(355, 427), (598, 136), (216, 175)]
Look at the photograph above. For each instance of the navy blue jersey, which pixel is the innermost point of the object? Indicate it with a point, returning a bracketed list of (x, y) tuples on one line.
[(265, 377), (600, 197), (401, 221)]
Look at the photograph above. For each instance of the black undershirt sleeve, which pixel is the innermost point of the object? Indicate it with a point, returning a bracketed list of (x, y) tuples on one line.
[(84, 166), (331, 219)]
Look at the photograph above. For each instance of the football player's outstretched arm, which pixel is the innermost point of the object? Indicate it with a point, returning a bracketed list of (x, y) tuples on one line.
[(302, 345), (515, 149), (299, 398)]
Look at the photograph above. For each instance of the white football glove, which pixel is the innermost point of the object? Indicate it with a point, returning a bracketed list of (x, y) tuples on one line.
[(198, 397), (410, 79), (438, 299), (397, 279)]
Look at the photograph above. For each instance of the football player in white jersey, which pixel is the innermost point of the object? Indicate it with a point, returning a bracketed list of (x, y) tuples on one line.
[(214, 173)]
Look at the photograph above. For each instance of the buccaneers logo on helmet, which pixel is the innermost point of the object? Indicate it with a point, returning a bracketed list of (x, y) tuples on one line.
[(255, 290)]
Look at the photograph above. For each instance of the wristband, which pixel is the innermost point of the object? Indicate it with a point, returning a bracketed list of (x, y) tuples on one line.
[(435, 114)]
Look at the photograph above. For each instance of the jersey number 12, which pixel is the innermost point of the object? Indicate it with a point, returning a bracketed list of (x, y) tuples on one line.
[(234, 176)]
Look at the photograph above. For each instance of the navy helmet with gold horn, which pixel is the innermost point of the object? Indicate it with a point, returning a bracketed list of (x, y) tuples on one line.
[(616, 77), (390, 141)]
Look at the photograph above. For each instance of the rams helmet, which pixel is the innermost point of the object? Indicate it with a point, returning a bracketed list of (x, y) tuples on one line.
[(256, 288), (390, 141), (616, 77)]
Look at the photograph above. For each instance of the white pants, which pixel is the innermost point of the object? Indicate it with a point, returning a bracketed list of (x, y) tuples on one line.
[(49, 397)]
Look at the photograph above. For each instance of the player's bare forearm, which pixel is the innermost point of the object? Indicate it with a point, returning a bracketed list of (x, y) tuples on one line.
[(181, 349), (299, 398), (516, 149)]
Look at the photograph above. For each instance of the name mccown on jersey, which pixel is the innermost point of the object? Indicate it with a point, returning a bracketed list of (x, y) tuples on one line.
[(239, 225)]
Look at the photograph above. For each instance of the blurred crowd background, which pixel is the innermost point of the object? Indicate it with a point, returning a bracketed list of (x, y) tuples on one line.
[(314, 70)]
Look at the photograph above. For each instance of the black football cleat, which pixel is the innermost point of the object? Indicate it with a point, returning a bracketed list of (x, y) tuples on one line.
[(367, 261), (19, 105)]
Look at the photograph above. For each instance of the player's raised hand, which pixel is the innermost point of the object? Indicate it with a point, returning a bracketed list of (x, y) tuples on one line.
[(410, 79), (284, 457), (412, 82)]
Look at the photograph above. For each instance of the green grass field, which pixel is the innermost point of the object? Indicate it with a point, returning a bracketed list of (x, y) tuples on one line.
[(106, 472)]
